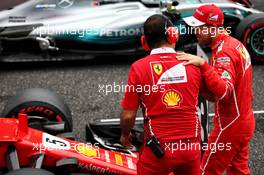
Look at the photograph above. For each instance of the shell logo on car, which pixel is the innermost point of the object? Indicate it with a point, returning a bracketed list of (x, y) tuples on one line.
[(172, 98), (88, 150)]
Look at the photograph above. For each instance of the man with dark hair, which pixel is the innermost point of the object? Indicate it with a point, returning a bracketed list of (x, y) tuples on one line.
[(229, 78), (171, 124), (154, 30)]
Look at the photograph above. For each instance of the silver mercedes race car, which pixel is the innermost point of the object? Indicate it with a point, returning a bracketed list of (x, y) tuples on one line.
[(52, 28)]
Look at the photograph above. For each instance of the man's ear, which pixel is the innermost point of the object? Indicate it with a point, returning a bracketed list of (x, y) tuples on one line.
[(172, 35), (144, 43)]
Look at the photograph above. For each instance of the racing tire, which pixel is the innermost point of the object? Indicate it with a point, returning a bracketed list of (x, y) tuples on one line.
[(250, 32), (29, 171), (39, 102)]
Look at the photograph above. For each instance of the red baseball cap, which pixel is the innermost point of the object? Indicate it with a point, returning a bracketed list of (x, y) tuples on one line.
[(206, 14)]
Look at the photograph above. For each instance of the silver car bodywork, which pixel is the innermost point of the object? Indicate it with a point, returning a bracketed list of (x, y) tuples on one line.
[(96, 27)]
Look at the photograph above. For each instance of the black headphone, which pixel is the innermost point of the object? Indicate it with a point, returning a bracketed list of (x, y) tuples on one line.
[(171, 33)]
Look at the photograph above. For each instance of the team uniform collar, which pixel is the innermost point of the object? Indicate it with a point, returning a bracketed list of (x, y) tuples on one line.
[(162, 50), (218, 41)]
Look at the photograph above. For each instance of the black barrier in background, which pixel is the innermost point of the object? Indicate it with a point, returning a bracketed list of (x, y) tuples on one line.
[(203, 106)]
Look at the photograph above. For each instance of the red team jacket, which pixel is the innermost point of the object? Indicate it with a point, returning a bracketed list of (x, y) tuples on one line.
[(230, 80), (168, 93)]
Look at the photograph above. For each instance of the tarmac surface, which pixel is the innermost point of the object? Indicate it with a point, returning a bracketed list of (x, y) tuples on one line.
[(80, 83)]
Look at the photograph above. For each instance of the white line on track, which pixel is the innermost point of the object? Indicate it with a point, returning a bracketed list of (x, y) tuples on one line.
[(140, 118)]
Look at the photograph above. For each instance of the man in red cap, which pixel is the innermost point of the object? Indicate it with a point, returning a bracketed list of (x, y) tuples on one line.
[(231, 74), (167, 91)]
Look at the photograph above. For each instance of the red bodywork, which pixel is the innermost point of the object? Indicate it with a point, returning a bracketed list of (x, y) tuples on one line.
[(30, 142)]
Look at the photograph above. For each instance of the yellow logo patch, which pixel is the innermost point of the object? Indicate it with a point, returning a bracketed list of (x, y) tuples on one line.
[(158, 68), (87, 150), (243, 53), (118, 159), (172, 98)]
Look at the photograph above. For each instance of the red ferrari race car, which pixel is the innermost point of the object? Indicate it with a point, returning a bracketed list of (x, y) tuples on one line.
[(36, 138)]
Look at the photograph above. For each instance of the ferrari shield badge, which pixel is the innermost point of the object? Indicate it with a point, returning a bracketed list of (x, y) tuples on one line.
[(158, 68), (88, 150), (118, 159)]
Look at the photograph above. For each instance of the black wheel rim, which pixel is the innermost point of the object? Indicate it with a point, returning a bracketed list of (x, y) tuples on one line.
[(257, 41)]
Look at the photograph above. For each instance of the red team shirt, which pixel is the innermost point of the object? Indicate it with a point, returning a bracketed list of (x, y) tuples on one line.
[(167, 91)]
